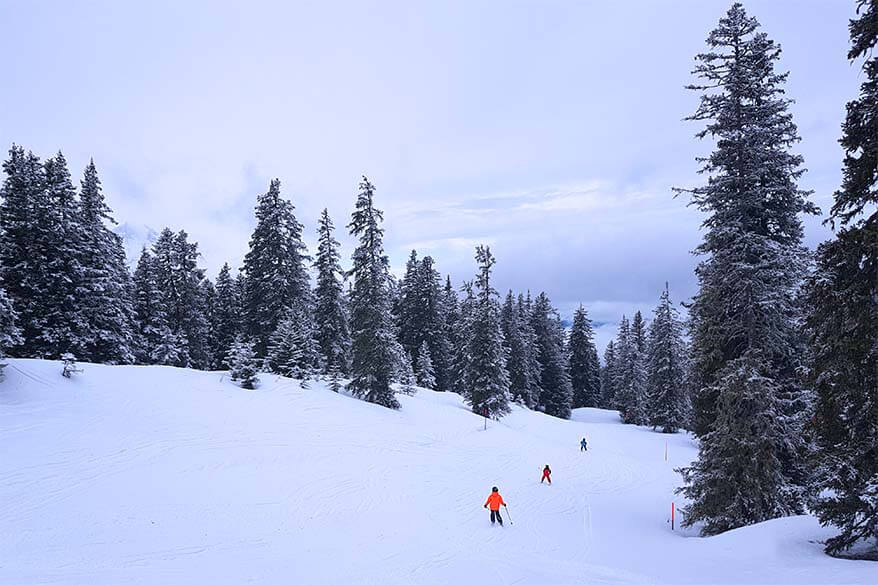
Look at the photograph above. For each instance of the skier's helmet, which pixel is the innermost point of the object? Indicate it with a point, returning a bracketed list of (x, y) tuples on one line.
[(495, 489)]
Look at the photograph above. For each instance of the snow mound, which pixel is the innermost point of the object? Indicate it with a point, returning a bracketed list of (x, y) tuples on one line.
[(162, 475)]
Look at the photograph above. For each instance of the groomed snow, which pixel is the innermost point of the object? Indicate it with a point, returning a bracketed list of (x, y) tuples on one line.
[(164, 475)]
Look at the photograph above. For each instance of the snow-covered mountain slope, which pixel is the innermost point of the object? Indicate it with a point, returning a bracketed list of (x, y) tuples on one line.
[(163, 475)]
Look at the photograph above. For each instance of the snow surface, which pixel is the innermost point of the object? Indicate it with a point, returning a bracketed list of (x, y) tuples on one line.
[(162, 475)]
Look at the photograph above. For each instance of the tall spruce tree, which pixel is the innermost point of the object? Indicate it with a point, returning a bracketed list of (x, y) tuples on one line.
[(409, 312), (516, 339), (420, 316), (207, 302), (531, 379), (608, 373), (275, 267), (106, 308), (151, 321), (330, 314), (60, 246), (486, 379), (629, 373), (22, 233), (375, 351), (463, 335), (843, 322), (436, 335), (583, 363), (450, 315), (667, 396), (744, 317), (178, 278), (556, 392), (226, 323)]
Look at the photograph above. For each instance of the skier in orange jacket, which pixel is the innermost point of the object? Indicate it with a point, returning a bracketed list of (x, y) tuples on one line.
[(495, 500)]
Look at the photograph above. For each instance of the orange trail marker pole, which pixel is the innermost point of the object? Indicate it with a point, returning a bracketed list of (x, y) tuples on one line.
[(672, 515)]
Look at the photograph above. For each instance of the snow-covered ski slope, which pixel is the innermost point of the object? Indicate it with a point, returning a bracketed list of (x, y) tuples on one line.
[(163, 475)]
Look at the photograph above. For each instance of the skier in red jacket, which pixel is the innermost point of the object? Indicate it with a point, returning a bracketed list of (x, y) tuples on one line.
[(547, 475), (495, 500)]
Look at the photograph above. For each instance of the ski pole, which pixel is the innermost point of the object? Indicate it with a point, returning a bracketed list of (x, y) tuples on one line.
[(508, 515)]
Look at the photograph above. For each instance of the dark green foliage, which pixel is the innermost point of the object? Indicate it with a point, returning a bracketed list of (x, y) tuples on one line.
[(556, 393), (275, 267), (739, 478), (106, 306), (629, 373), (667, 396), (745, 320), (583, 362), (330, 313), (376, 353), (243, 364), (843, 322), (226, 318), (486, 381), (178, 280), (608, 374)]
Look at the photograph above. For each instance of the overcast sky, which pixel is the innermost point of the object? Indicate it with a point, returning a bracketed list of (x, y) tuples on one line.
[(550, 130)]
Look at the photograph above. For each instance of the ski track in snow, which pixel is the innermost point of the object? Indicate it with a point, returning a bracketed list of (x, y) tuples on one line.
[(164, 475)]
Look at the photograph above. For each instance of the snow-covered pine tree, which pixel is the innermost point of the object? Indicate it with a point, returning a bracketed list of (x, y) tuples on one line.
[(424, 373), (106, 308), (486, 379), (178, 277), (843, 321), (226, 323), (582, 359), (450, 315), (556, 393), (436, 335), (420, 316), (277, 277), (10, 333), (639, 332), (629, 375), (463, 335), (170, 350), (60, 246), (667, 396), (608, 375), (292, 350), (242, 363), (151, 325), (517, 362), (742, 444), (409, 313), (375, 350), (406, 376), (330, 314), (745, 319), (21, 270), (531, 370), (207, 301)]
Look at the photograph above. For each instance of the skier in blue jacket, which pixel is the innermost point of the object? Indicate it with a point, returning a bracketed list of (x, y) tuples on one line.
[(583, 445)]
